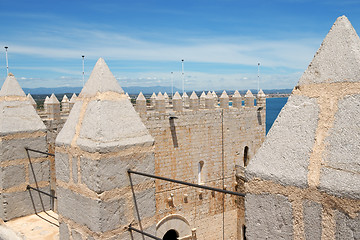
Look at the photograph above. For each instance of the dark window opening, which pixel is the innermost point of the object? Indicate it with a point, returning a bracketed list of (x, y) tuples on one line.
[(171, 235), (246, 156)]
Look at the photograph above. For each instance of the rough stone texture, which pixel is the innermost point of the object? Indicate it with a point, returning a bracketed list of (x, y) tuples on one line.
[(94, 84), (268, 217), (312, 219), (11, 87), (346, 227), (12, 176), (63, 231), (14, 113), (341, 176), (41, 171), (62, 167), (284, 155), (20, 204), (15, 148), (98, 216), (338, 58)]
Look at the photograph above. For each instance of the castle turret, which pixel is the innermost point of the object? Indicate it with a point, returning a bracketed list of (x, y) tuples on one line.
[(209, 101), (141, 103), (53, 107), (20, 128), (194, 102), (31, 100), (177, 102), (102, 138), (249, 99), (160, 103), (224, 100), (236, 100)]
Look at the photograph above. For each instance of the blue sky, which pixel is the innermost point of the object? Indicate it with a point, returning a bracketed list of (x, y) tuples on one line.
[(221, 41)]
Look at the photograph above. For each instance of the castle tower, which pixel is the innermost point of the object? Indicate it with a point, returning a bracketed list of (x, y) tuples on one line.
[(20, 127), (141, 103), (72, 101), (65, 107), (31, 100), (194, 102), (306, 175), (177, 102), (224, 100), (237, 100), (102, 138), (209, 101), (202, 100), (249, 99)]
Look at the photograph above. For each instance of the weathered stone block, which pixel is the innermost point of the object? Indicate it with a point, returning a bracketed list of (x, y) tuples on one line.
[(97, 215), (75, 169), (20, 204), (268, 216), (146, 203), (62, 167), (312, 219), (63, 231), (106, 174), (341, 176), (12, 176), (346, 227), (15, 148), (284, 155), (41, 170)]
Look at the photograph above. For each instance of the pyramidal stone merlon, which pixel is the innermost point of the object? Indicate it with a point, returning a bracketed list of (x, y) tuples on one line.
[(17, 114), (312, 150), (20, 127), (103, 137), (338, 58), (109, 118)]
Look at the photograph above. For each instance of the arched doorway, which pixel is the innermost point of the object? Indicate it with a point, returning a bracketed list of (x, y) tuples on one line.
[(173, 226), (171, 235)]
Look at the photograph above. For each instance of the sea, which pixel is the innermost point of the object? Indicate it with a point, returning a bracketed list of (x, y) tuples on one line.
[(273, 108)]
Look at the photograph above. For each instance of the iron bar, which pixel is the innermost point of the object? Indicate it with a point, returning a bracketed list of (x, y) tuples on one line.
[(130, 228), (187, 183), (38, 190), (37, 151)]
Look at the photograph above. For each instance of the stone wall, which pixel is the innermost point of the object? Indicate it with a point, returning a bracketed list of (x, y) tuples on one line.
[(215, 136)]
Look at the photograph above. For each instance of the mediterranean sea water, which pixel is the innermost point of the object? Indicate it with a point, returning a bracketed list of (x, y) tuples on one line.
[(273, 108)]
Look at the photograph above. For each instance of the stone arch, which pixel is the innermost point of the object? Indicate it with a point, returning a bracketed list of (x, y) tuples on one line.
[(175, 222)]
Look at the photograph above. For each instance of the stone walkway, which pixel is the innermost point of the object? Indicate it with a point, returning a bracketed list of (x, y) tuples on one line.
[(34, 227)]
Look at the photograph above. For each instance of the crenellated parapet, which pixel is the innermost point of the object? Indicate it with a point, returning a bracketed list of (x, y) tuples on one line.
[(205, 101)]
